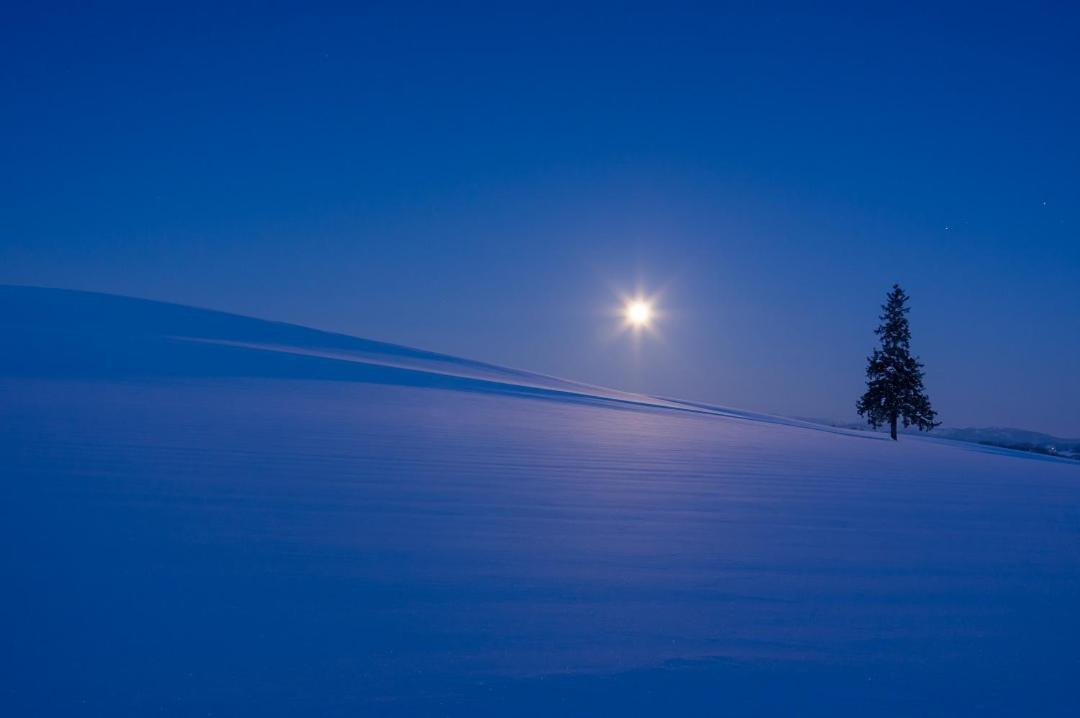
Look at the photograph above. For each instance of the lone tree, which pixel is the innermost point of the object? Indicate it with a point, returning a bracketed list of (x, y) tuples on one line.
[(894, 387)]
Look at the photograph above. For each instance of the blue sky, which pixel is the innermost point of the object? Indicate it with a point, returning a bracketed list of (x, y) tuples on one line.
[(484, 180)]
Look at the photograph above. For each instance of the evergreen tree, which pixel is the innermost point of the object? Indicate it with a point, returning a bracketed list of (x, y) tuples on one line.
[(894, 378)]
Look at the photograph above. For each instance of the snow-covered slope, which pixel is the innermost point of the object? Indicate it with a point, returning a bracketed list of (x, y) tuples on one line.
[(211, 514), (67, 333)]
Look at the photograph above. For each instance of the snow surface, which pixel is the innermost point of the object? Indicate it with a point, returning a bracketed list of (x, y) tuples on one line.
[(207, 514)]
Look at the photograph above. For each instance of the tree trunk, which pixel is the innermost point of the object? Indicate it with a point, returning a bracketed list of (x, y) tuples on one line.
[(892, 427)]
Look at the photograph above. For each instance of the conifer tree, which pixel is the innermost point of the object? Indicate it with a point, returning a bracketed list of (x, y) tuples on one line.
[(894, 378)]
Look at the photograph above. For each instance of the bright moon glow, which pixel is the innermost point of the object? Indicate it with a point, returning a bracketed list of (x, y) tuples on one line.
[(638, 313)]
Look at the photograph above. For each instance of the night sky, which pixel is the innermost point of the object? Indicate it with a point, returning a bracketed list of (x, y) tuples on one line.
[(487, 180)]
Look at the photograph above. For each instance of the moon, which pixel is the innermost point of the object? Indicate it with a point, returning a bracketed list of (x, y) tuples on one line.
[(638, 313)]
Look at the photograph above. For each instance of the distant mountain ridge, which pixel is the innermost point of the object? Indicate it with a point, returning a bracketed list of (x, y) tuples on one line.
[(1005, 437), (1015, 439)]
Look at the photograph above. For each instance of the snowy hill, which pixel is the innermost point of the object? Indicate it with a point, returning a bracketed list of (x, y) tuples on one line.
[(212, 514), (67, 333)]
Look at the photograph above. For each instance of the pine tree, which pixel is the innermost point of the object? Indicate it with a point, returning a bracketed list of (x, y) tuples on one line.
[(894, 378)]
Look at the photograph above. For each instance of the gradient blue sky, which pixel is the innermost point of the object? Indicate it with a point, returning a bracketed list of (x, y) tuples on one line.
[(482, 180)]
